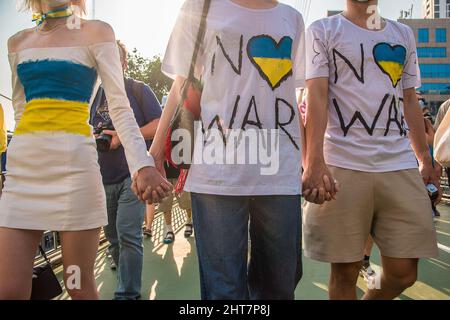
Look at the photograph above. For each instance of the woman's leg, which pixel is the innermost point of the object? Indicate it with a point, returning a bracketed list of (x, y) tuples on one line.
[(18, 250), (149, 216), (79, 251)]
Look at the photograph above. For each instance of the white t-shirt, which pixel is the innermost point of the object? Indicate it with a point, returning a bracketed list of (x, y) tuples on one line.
[(251, 62), (368, 71)]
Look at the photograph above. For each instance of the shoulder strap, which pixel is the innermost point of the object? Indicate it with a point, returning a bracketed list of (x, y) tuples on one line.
[(44, 255), (136, 88), (198, 43)]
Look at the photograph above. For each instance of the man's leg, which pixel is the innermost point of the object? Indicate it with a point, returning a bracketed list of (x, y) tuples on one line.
[(169, 235), (186, 204), (166, 207), (222, 243), (111, 229), (189, 227), (276, 250), (130, 217), (343, 280), (402, 229), (397, 276), (149, 217), (366, 270)]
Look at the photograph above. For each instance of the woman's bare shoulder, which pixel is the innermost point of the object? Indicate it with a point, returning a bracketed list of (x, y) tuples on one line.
[(98, 31)]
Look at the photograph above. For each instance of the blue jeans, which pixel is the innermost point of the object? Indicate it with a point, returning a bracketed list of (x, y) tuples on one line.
[(221, 229), (124, 233)]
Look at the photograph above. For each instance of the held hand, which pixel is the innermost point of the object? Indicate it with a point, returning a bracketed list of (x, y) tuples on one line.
[(115, 141), (426, 169), (149, 178), (154, 196), (319, 185)]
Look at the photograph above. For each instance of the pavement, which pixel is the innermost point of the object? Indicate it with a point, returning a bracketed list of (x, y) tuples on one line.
[(171, 272)]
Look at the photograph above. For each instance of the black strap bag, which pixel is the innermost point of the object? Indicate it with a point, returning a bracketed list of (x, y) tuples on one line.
[(45, 284), (188, 110)]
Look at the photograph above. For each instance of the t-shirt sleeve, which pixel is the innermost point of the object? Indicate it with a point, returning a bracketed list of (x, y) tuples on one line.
[(151, 109), (299, 55), (317, 62), (411, 72), (179, 52)]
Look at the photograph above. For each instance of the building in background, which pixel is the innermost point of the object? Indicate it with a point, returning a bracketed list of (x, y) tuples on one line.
[(435, 9), (433, 48)]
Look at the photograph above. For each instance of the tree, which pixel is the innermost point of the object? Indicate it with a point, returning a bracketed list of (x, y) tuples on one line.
[(148, 71)]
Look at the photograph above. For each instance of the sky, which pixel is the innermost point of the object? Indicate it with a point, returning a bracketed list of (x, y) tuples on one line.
[(147, 24)]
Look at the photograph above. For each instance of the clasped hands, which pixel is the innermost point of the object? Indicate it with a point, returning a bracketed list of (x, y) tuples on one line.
[(150, 186), (319, 185)]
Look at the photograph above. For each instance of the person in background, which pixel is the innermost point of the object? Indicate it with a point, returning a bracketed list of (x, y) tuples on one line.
[(148, 220), (430, 132), (3, 144), (150, 207), (125, 210), (440, 116), (366, 271), (166, 206)]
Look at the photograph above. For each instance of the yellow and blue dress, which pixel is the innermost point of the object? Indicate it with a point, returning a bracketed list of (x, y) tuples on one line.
[(54, 180)]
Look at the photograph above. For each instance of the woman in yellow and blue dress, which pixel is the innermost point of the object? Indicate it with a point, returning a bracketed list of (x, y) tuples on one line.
[(54, 182)]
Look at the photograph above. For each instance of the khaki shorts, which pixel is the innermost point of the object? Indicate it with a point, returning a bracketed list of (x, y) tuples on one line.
[(184, 200), (393, 207)]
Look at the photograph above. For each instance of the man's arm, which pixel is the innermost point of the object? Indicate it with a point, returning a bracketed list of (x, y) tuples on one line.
[(157, 149), (151, 110), (149, 130), (414, 119), (318, 183)]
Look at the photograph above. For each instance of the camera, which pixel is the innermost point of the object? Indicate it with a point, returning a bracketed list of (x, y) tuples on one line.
[(433, 192), (103, 140), (428, 116)]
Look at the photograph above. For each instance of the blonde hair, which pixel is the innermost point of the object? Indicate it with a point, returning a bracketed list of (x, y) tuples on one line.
[(35, 5)]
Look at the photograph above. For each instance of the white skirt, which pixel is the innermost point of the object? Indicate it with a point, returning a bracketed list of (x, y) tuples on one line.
[(53, 183)]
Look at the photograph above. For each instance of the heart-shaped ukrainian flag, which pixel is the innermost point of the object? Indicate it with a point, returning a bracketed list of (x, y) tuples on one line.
[(391, 60), (273, 60)]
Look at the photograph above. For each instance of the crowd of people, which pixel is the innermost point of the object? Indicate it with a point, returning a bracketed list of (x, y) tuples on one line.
[(90, 150)]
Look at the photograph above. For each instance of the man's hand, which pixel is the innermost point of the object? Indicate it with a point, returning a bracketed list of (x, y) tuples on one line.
[(115, 141), (149, 185), (429, 174), (426, 167), (318, 184)]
